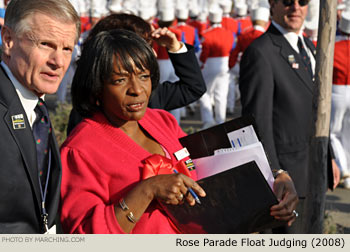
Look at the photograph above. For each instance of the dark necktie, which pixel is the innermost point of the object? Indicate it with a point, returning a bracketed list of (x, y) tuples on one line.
[(41, 132), (305, 57)]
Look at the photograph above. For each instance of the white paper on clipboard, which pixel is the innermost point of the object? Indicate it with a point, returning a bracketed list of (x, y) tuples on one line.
[(243, 137), (211, 165)]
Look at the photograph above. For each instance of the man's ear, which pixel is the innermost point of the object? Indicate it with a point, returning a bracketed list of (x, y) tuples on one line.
[(7, 40)]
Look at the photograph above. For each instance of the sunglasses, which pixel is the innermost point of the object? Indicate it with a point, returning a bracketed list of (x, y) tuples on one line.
[(289, 3)]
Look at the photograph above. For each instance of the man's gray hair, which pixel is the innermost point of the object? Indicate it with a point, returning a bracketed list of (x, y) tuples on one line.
[(18, 11)]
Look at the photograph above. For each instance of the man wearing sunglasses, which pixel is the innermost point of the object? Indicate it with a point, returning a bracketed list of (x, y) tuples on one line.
[(277, 87)]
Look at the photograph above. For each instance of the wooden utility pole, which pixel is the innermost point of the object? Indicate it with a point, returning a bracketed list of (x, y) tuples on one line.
[(322, 107)]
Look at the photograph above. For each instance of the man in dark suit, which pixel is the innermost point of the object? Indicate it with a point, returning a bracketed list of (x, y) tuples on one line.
[(277, 87), (38, 40)]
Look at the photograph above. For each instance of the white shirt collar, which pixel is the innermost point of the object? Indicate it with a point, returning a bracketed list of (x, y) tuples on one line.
[(292, 39), (181, 23), (341, 37), (28, 99), (259, 28), (216, 25)]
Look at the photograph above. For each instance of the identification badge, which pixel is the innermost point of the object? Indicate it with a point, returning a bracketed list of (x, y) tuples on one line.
[(190, 165), (181, 154), (52, 230), (18, 121), (291, 59)]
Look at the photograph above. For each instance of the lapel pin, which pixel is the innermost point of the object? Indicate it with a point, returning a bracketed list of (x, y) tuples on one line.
[(295, 65), (291, 59), (18, 121), (190, 165)]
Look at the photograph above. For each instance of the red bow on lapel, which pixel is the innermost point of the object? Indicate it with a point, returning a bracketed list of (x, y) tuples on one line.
[(158, 164)]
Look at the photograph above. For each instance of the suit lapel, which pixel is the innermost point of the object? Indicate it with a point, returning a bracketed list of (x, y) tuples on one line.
[(24, 136), (25, 141), (311, 46), (291, 56)]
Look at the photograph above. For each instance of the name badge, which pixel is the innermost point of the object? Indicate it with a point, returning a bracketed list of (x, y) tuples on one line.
[(18, 122), (181, 154)]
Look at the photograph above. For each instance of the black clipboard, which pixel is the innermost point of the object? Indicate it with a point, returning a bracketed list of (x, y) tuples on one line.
[(238, 201)]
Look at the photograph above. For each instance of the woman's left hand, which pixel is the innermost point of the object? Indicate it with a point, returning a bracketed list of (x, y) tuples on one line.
[(288, 199)]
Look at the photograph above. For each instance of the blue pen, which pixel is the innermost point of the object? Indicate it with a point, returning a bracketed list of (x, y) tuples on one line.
[(194, 195)]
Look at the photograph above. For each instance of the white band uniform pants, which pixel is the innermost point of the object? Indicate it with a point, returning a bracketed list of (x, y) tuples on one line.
[(340, 127), (216, 76)]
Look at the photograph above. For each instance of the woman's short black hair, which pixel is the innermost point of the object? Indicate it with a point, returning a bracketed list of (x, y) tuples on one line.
[(96, 64)]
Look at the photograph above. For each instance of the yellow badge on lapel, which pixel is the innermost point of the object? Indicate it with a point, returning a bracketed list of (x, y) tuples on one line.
[(291, 59), (18, 121)]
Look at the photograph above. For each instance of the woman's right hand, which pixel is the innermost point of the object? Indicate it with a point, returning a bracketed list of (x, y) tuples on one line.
[(173, 188), (167, 188), (165, 37)]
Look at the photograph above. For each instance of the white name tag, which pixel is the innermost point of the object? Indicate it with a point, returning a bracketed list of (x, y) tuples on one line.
[(181, 154)]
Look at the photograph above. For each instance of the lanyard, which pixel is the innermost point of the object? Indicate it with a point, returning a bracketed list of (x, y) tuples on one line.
[(44, 214)]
